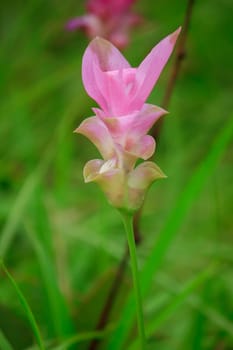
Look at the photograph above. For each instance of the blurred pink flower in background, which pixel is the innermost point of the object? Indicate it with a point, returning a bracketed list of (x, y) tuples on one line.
[(119, 128), (110, 19)]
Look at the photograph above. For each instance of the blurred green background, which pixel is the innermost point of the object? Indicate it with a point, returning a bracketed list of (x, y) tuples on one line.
[(60, 240)]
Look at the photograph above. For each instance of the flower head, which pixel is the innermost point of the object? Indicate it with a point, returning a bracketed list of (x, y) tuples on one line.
[(117, 87), (119, 127), (110, 19)]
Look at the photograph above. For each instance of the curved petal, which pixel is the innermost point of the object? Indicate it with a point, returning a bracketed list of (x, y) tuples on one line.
[(146, 118), (118, 126), (96, 131), (118, 87), (112, 184), (144, 148), (90, 23), (76, 23), (135, 124), (139, 181), (106, 55), (91, 169), (90, 79), (125, 159), (110, 179), (144, 174), (114, 91), (150, 69), (130, 130), (99, 58), (96, 169)]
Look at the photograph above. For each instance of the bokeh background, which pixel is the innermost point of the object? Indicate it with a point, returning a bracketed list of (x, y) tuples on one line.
[(60, 240)]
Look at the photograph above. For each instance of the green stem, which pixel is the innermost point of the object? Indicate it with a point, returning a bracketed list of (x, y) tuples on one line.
[(128, 224)]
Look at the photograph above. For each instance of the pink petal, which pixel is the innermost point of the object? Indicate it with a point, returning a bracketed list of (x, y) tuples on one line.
[(137, 123), (90, 23), (114, 91), (95, 130), (105, 55), (145, 119), (90, 82), (120, 86), (119, 35), (143, 148), (116, 88), (145, 173), (120, 6), (150, 69), (106, 8), (118, 126), (99, 57), (76, 23), (128, 130), (119, 38)]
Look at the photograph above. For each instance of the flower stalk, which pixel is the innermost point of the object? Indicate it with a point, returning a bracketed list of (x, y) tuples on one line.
[(128, 224)]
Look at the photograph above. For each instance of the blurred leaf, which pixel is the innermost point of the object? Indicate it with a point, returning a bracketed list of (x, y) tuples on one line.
[(4, 343), (20, 23), (168, 310), (20, 204), (201, 305), (24, 196), (58, 311), (26, 308), (44, 86), (82, 337), (213, 315)]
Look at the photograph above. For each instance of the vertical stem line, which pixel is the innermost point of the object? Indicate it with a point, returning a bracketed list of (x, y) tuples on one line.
[(128, 224)]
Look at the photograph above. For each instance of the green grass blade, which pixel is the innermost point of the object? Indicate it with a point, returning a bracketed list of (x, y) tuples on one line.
[(174, 222), (78, 338), (83, 337), (196, 302), (26, 308), (176, 301), (4, 343), (213, 315), (58, 311), (20, 205)]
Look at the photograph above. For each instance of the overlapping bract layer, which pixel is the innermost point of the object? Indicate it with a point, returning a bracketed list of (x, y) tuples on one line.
[(119, 127)]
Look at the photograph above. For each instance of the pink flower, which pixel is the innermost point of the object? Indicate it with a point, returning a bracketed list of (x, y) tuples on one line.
[(117, 87), (120, 126), (110, 19)]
